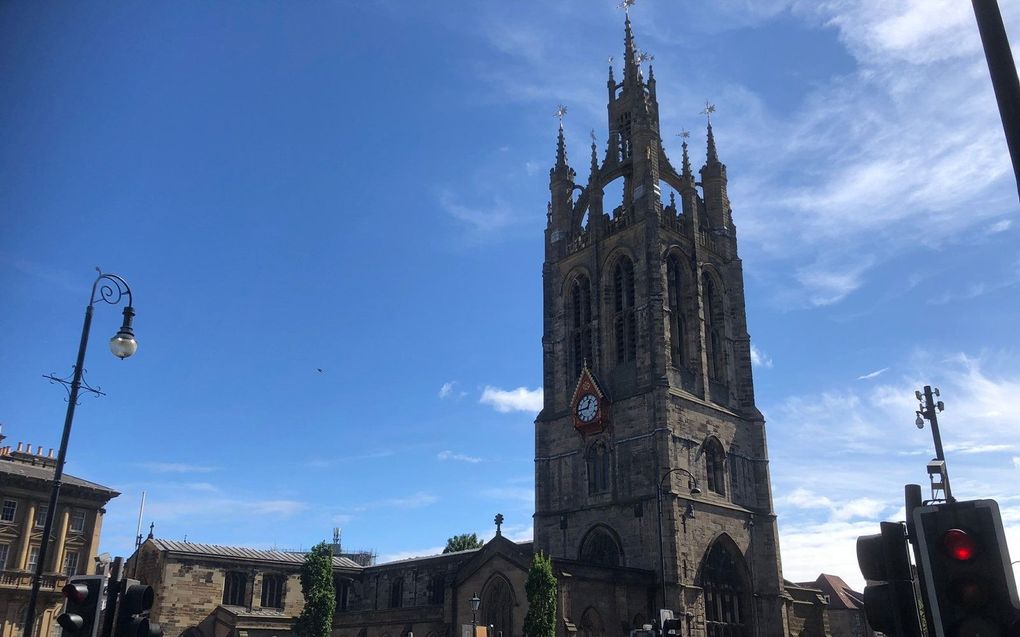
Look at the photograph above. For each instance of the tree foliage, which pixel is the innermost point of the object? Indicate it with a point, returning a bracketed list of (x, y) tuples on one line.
[(541, 589), (462, 542), (316, 619)]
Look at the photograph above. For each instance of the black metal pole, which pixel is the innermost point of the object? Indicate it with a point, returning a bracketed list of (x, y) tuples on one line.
[(58, 473), (1003, 72), (929, 406)]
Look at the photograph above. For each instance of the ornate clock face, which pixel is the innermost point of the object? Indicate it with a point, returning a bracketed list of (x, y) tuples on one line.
[(587, 408)]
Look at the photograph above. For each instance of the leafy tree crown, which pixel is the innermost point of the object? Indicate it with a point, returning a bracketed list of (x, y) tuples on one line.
[(541, 589), (316, 619)]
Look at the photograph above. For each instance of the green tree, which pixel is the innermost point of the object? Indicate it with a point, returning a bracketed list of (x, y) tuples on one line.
[(462, 542), (541, 589), (316, 619)]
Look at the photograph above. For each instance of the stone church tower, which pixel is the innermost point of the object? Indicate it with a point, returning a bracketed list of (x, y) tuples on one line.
[(647, 375)]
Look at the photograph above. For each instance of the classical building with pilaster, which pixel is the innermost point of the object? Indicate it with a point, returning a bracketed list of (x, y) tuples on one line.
[(26, 480)]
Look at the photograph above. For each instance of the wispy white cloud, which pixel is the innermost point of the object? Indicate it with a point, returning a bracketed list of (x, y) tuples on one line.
[(174, 467), (874, 374), (505, 401), (450, 455), (482, 220), (999, 226), (168, 510), (446, 389), (760, 358), (840, 457)]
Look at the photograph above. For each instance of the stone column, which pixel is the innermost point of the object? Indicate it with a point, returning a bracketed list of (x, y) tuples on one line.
[(26, 536), (58, 549), (93, 546)]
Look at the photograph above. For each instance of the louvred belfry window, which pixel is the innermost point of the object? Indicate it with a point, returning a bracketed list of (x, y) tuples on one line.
[(580, 325), (624, 322)]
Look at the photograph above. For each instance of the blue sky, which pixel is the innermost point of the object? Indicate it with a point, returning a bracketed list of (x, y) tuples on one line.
[(361, 188)]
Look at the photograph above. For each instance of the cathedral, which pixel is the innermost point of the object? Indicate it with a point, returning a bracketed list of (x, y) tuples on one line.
[(652, 483)]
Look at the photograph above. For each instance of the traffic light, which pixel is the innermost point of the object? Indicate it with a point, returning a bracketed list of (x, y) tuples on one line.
[(133, 611), (889, 601), (965, 563), (83, 597)]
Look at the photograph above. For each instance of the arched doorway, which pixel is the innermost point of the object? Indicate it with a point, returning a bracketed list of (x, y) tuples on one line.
[(497, 607), (591, 624)]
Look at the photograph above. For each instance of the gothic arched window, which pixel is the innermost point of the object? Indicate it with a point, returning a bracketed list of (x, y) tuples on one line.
[(714, 323), (624, 323), (580, 325), (497, 607), (714, 466), (597, 461), (601, 548), (591, 624), (677, 321), (726, 599), (397, 593)]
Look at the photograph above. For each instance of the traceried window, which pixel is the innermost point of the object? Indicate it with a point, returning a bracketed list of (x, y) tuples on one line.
[(677, 320), (78, 521), (40, 515), (592, 624), (624, 322), (70, 564), (597, 461), (233, 588), (580, 325), (497, 605), (397, 593), (714, 466), (9, 511), (273, 587), (726, 602), (5, 550), (714, 320), (599, 547)]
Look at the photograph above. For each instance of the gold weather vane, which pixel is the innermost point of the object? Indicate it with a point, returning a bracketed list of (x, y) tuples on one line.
[(644, 56), (709, 109), (561, 110), (684, 134), (626, 5)]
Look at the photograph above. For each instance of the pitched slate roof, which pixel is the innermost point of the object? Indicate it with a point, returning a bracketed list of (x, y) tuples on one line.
[(38, 472), (841, 596), (242, 553)]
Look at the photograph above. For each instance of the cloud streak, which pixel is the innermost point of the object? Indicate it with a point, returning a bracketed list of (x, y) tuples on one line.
[(506, 401)]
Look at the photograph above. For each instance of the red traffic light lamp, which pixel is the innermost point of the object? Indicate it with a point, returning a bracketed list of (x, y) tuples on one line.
[(965, 562), (82, 600)]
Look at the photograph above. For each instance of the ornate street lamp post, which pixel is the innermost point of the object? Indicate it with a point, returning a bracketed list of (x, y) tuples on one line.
[(108, 288), (695, 490), (474, 615)]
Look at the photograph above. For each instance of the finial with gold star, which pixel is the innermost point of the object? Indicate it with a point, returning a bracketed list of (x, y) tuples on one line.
[(644, 56), (561, 111), (626, 5)]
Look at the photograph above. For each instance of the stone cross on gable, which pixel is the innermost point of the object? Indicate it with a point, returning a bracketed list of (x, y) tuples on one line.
[(499, 523)]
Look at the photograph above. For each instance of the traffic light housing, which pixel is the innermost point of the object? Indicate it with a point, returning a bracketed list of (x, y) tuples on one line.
[(133, 611), (965, 562), (83, 601), (889, 601)]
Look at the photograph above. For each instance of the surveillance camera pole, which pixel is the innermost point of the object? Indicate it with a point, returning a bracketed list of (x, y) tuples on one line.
[(929, 409)]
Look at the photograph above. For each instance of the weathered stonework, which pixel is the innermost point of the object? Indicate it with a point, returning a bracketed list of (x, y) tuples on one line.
[(26, 480)]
